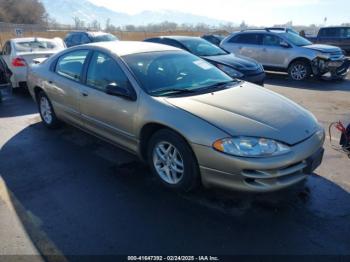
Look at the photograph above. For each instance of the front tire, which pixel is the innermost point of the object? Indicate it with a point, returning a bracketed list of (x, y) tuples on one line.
[(172, 161), (46, 111), (299, 70)]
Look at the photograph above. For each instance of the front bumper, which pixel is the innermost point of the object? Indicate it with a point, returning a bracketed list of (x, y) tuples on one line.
[(259, 174), (338, 69), (257, 78)]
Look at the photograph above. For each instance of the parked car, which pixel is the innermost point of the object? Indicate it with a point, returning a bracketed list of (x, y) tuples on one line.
[(86, 37), (237, 67), (284, 50), (214, 39), (337, 36), (18, 53), (5, 76), (189, 120)]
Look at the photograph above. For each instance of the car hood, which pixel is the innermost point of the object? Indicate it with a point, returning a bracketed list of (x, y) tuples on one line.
[(249, 110), (324, 48), (236, 62)]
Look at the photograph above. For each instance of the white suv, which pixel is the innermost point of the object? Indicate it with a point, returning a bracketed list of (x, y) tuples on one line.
[(280, 49)]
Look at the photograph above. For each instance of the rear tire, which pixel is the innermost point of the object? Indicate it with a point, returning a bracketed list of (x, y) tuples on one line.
[(299, 70), (46, 111), (172, 161)]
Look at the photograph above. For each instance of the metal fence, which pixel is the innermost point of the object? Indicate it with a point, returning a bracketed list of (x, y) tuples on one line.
[(8, 31)]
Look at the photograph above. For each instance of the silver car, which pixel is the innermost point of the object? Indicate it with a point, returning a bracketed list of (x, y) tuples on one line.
[(190, 121), (280, 49)]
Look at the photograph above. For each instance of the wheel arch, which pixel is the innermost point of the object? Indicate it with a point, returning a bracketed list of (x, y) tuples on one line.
[(303, 59), (37, 90), (148, 130)]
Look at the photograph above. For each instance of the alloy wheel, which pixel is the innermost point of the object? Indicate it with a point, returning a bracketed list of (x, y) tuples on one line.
[(168, 163), (45, 110), (298, 72)]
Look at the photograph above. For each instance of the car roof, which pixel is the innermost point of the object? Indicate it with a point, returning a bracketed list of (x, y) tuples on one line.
[(178, 37), (335, 27), (257, 31), (27, 39), (97, 33), (93, 33), (122, 48)]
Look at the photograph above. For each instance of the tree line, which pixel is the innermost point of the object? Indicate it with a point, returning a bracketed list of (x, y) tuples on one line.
[(23, 12)]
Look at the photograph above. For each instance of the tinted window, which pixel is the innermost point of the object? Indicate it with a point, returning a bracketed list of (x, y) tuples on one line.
[(345, 32), (251, 39), (103, 38), (84, 39), (271, 40), (70, 65), (155, 40), (103, 70), (201, 47), (172, 43), (75, 39), (330, 32), (159, 73)]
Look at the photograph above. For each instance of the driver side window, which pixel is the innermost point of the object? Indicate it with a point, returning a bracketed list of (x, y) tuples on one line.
[(103, 70)]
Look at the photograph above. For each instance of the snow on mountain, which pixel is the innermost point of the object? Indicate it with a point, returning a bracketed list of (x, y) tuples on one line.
[(63, 11)]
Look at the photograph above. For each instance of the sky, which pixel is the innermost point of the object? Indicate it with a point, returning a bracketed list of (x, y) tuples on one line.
[(253, 12)]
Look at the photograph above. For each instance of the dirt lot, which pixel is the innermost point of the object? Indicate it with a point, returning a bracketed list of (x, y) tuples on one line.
[(72, 194)]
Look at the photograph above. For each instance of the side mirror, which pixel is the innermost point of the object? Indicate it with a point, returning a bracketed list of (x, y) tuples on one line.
[(114, 89), (284, 44)]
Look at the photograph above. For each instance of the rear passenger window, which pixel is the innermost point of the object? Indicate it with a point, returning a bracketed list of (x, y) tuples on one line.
[(71, 65), (251, 39), (271, 40)]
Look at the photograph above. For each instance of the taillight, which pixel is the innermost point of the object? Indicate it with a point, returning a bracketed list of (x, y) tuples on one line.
[(18, 62)]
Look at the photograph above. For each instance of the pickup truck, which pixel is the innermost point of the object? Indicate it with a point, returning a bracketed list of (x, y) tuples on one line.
[(337, 36)]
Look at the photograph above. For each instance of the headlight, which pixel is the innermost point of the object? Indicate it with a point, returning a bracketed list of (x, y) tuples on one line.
[(325, 56), (230, 71), (250, 147)]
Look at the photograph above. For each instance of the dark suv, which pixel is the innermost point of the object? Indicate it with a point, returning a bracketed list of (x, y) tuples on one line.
[(337, 35), (80, 38), (237, 67)]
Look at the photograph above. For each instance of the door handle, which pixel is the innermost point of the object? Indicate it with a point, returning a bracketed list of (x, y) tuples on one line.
[(84, 94)]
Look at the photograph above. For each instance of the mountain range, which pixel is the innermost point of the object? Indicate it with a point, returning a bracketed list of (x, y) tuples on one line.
[(63, 11)]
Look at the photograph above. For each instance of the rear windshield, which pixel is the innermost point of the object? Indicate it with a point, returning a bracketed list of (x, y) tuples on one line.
[(38, 45), (201, 47), (104, 38)]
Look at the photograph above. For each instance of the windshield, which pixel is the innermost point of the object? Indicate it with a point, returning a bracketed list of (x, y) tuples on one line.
[(297, 39), (160, 72), (38, 45), (201, 47), (104, 38)]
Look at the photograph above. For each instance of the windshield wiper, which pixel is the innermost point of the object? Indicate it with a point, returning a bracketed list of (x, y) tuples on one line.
[(173, 91), (221, 84)]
